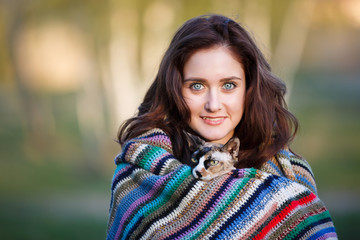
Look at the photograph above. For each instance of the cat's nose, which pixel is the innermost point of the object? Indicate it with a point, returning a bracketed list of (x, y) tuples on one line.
[(198, 174)]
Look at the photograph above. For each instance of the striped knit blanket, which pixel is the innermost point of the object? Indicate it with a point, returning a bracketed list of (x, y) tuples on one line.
[(154, 196)]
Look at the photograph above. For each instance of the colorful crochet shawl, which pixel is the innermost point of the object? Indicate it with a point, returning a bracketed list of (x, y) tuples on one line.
[(154, 196)]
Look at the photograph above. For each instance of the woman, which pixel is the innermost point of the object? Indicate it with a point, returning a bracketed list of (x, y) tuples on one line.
[(214, 82)]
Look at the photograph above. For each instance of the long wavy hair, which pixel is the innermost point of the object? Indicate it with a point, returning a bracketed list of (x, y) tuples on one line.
[(266, 125)]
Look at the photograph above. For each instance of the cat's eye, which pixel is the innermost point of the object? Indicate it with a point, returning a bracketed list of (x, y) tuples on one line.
[(213, 162)]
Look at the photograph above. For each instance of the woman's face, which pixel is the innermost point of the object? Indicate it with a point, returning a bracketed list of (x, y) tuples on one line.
[(214, 90)]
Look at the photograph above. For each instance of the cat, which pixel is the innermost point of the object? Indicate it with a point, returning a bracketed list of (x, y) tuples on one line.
[(213, 159)]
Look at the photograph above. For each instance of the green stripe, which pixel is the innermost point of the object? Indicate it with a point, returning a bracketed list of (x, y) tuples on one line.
[(233, 193), (307, 222)]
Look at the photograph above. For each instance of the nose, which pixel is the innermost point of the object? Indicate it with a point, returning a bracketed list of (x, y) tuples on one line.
[(198, 174), (213, 102)]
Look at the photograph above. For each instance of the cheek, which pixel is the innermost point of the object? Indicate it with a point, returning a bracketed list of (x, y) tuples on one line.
[(194, 105), (200, 166), (215, 169), (228, 164), (236, 104)]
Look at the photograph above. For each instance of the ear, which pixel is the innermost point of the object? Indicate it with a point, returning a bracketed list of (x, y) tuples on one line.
[(232, 146), (194, 141)]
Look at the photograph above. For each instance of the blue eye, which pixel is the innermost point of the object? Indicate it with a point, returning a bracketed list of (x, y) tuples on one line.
[(229, 86), (197, 86)]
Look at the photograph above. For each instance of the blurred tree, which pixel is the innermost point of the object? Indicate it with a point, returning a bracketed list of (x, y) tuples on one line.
[(92, 20), (124, 37)]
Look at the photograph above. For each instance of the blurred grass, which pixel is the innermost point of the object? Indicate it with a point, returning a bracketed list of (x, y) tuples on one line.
[(327, 107), (346, 225), (30, 221), (52, 190)]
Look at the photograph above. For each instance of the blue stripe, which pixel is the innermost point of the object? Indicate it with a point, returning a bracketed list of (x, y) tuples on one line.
[(117, 178), (303, 164), (125, 149), (312, 226), (306, 182), (220, 207), (161, 164), (234, 222), (322, 232), (286, 153), (132, 196), (177, 178), (155, 153), (273, 165), (123, 175), (203, 213)]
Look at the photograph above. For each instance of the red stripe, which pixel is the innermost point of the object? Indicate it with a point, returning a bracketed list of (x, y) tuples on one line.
[(278, 218), (298, 221)]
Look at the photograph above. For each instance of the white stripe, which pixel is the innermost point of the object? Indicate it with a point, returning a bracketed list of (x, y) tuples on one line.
[(154, 228), (284, 192)]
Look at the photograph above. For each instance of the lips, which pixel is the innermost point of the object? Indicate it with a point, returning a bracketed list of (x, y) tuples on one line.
[(213, 120)]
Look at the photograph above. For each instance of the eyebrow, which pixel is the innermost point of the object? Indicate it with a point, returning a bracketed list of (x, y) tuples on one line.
[(203, 80)]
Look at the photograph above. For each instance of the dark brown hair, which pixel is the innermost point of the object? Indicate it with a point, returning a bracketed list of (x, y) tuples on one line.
[(266, 125)]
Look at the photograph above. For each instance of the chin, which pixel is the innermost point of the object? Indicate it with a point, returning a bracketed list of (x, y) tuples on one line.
[(213, 134), (214, 137)]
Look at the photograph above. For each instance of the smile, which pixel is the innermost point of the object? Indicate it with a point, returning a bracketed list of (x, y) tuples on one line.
[(213, 120)]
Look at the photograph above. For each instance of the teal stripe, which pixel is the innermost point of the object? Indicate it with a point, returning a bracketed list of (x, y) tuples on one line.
[(308, 222), (218, 210), (178, 177)]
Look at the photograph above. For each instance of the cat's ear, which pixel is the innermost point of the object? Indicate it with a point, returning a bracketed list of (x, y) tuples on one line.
[(194, 141), (232, 146)]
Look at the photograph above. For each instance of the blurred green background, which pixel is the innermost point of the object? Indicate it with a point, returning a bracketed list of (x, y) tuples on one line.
[(72, 70)]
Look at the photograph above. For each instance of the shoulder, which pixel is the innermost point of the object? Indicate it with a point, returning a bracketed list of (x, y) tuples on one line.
[(155, 137), (151, 151), (287, 164)]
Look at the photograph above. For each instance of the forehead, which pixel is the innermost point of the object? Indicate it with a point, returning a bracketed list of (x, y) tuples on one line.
[(215, 155), (220, 155), (216, 62), (203, 150)]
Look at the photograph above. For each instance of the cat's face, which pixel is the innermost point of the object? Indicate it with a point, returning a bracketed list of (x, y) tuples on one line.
[(214, 160)]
